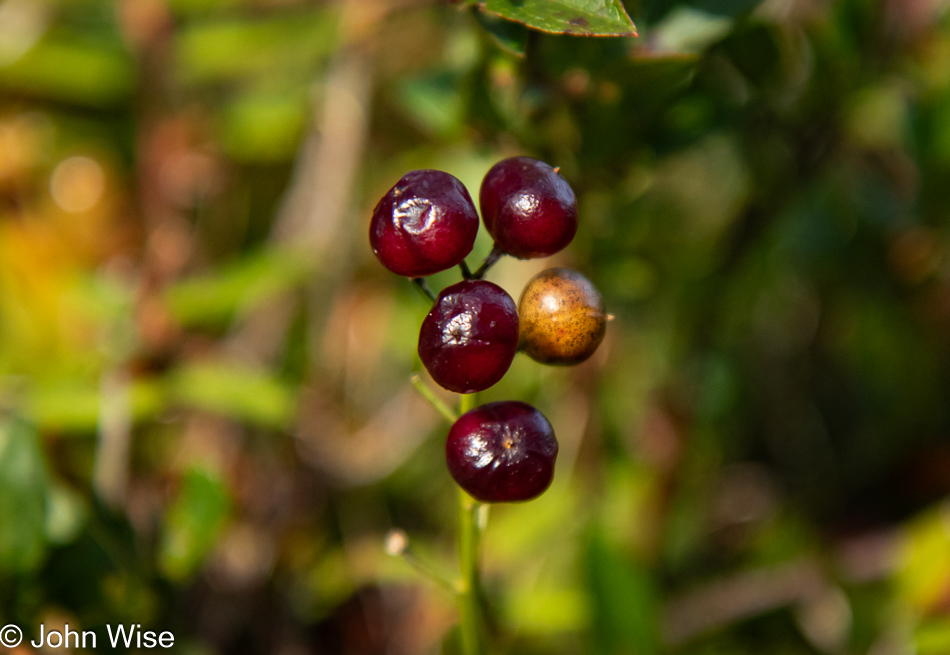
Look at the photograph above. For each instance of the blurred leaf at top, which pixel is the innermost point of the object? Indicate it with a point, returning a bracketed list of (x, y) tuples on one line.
[(272, 49), (509, 35), (577, 17), (42, 62), (70, 71), (687, 30)]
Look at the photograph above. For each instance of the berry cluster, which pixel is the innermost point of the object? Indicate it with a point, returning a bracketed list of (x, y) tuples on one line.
[(426, 223)]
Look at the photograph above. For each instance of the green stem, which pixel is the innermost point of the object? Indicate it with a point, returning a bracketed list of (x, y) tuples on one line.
[(469, 592), (397, 545), (467, 402), (469, 619), (433, 399)]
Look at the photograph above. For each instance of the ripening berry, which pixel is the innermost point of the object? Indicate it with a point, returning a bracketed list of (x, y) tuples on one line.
[(528, 208), (502, 452), (425, 224), (469, 338), (561, 316)]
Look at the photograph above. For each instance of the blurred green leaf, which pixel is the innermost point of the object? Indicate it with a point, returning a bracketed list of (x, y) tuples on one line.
[(578, 17), (516, 532), (877, 116), (546, 610), (433, 102), (924, 560), (933, 637), (939, 139), (687, 30), (264, 127), (282, 48), (193, 522), (730, 8), (71, 70), (186, 7), (328, 584), (66, 515), (452, 642), (510, 36), (215, 298), (625, 615), (75, 407), (236, 391), (23, 497)]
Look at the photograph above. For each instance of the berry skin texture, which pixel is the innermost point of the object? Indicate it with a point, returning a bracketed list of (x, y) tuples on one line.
[(425, 224), (562, 317), (469, 338), (529, 209), (502, 452)]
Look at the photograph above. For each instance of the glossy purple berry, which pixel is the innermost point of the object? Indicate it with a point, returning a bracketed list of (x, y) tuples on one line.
[(470, 336), (502, 452), (528, 208), (425, 224)]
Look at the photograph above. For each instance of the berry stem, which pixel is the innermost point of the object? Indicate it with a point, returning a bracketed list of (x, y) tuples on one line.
[(421, 283), (490, 261), (469, 533), (397, 545), (426, 392), (467, 402), (466, 271)]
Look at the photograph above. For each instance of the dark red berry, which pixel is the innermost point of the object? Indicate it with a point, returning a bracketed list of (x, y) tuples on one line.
[(469, 338), (528, 208), (425, 224), (561, 317), (502, 452)]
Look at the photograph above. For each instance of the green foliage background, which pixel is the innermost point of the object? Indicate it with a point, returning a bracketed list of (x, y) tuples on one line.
[(207, 424)]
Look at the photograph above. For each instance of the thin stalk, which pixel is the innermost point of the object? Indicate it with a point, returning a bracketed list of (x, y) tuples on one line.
[(397, 545), (423, 286), (466, 272), (469, 533), (447, 412), (467, 402), (495, 254)]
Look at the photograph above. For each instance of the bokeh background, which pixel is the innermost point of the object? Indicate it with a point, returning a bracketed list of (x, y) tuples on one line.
[(206, 421)]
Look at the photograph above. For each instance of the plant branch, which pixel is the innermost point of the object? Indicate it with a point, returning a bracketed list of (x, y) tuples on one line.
[(440, 406), (493, 257), (397, 545), (469, 590), (423, 286)]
